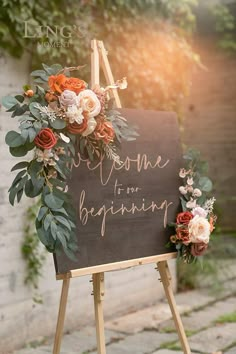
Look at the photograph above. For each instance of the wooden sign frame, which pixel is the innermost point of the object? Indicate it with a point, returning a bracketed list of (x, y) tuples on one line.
[(99, 58)]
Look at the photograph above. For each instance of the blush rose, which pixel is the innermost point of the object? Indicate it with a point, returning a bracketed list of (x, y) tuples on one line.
[(197, 249), (68, 98)]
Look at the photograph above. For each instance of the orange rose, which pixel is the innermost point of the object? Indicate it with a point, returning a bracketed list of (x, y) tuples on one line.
[(56, 82), (75, 128), (74, 84), (183, 235), (45, 139), (59, 83), (104, 131)]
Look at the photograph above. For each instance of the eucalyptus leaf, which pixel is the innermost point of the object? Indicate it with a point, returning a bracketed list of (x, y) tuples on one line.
[(63, 221), (54, 230), (62, 239), (38, 73), (47, 221), (20, 165), (14, 139), (18, 177), (19, 151), (42, 236), (205, 184), (34, 110), (58, 124), (20, 194), (52, 201), (20, 110), (9, 101), (20, 98), (12, 196), (42, 212), (32, 134)]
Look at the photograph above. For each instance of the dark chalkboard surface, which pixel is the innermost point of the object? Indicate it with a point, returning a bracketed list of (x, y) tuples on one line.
[(123, 211)]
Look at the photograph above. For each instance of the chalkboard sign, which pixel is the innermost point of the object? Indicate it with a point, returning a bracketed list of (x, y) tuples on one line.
[(123, 211)]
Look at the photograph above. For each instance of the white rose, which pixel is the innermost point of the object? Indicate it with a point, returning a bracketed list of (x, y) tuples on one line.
[(89, 102), (75, 114), (91, 126), (68, 98), (200, 212), (199, 230)]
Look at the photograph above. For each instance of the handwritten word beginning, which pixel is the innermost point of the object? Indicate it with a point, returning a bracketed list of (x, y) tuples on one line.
[(104, 211)]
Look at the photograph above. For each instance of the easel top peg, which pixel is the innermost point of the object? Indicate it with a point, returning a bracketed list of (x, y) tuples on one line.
[(99, 59)]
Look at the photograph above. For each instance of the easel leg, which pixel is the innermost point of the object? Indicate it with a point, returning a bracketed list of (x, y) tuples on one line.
[(61, 316), (98, 291), (166, 280)]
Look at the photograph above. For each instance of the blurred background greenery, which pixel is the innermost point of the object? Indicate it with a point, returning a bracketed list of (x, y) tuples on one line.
[(143, 37)]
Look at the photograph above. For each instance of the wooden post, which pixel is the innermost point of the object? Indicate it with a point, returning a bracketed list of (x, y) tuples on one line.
[(107, 72), (166, 281), (98, 292), (95, 67), (61, 316)]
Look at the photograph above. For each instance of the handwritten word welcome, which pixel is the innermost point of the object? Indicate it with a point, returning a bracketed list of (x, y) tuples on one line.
[(140, 163)]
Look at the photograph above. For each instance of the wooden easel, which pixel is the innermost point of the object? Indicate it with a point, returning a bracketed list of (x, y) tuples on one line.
[(99, 56)]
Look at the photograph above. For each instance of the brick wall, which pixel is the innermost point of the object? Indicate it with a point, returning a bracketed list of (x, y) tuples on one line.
[(210, 123), (21, 320)]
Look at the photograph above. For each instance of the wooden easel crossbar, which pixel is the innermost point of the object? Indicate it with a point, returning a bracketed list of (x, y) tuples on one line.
[(99, 59)]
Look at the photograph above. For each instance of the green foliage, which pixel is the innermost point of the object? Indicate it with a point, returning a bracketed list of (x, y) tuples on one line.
[(225, 26), (31, 248)]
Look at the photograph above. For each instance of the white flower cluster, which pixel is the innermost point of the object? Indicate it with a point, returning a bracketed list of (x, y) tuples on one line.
[(188, 188), (74, 105)]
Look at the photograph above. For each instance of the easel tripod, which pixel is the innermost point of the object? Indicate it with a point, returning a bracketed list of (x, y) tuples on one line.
[(99, 57)]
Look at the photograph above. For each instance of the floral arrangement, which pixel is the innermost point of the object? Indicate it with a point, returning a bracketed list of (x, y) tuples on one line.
[(59, 117), (196, 222)]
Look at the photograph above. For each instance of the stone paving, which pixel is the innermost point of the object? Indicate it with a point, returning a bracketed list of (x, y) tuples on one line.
[(151, 330)]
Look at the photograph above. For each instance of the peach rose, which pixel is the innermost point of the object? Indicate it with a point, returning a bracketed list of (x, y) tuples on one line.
[(90, 103), (199, 230), (75, 128), (90, 127)]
